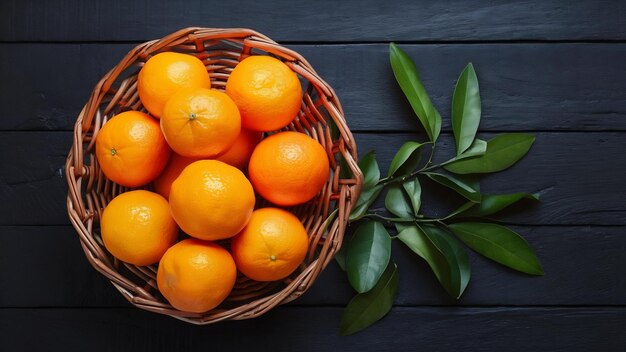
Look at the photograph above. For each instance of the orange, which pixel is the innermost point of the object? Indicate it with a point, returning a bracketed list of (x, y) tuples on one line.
[(200, 122), (271, 246), (239, 153), (267, 92), (137, 227), (166, 73), (211, 200), (288, 168), (196, 276), (174, 167), (131, 149)]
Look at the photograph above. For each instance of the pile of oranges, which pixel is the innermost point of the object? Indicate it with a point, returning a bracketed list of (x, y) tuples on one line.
[(204, 153)]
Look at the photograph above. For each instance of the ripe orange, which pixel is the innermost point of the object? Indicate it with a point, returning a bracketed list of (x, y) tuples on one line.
[(288, 168), (271, 246), (131, 150), (211, 200), (267, 92), (137, 227), (196, 276), (166, 73), (239, 153), (200, 123), (174, 167)]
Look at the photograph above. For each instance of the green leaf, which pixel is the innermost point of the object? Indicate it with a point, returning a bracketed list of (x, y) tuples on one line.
[(367, 198), (371, 172), (334, 129), (442, 252), (461, 210), (414, 191), (478, 147), (367, 308), (406, 74), (465, 109), (457, 184), (414, 238), (455, 255), (368, 255), (499, 244), (398, 202), (406, 159), (400, 226), (435, 121), (462, 258), (491, 204), (502, 151), (340, 257), (344, 169)]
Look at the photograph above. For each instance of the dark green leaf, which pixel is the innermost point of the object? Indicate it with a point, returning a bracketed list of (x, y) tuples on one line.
[(499, 244), (462, 258), (398, 202), (344, 169), (457, 184), (465, 109), (406, 159), (368, 255), (455, 255), (478, 147), (491, 204), (400, 226), (406, 74), (334, 130), (371, 172), (435, 118), (442, 252), (367, 308), (367, 198), (340, 257), (414, 191), (419, 243), (502, 151), (461, 210)]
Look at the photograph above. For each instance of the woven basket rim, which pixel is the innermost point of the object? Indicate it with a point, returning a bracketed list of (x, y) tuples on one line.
[(89, 190)]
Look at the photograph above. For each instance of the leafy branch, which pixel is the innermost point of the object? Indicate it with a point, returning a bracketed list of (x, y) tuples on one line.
[(439, 241)]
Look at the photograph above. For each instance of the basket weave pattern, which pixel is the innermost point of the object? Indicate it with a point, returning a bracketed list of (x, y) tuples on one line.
[(324, 218)]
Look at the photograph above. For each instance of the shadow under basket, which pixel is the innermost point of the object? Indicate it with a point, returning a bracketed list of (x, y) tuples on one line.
[(321, 117)]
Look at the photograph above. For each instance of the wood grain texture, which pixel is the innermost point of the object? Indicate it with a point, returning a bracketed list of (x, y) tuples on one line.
[(315, 20), (557, 87), (553, 67), (581, 265), (577, 174), (287, 329), (33, 189)]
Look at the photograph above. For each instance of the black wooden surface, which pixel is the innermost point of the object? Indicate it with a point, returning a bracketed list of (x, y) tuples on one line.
[(553, 68)]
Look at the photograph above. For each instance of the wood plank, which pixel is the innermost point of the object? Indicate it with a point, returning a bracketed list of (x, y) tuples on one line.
[(316, 329), (583, 266), (33, 189), (316, 20), (579, 175), (560, 87)]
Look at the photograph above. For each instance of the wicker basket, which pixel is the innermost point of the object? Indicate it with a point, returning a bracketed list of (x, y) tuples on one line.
[(325, 217)]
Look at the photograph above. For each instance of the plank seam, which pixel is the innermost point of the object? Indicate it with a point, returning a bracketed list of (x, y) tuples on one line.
[(573, 307), (355, 42), (393, 131)]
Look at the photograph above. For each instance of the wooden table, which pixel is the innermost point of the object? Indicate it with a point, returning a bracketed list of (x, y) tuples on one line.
[(554, 68)]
